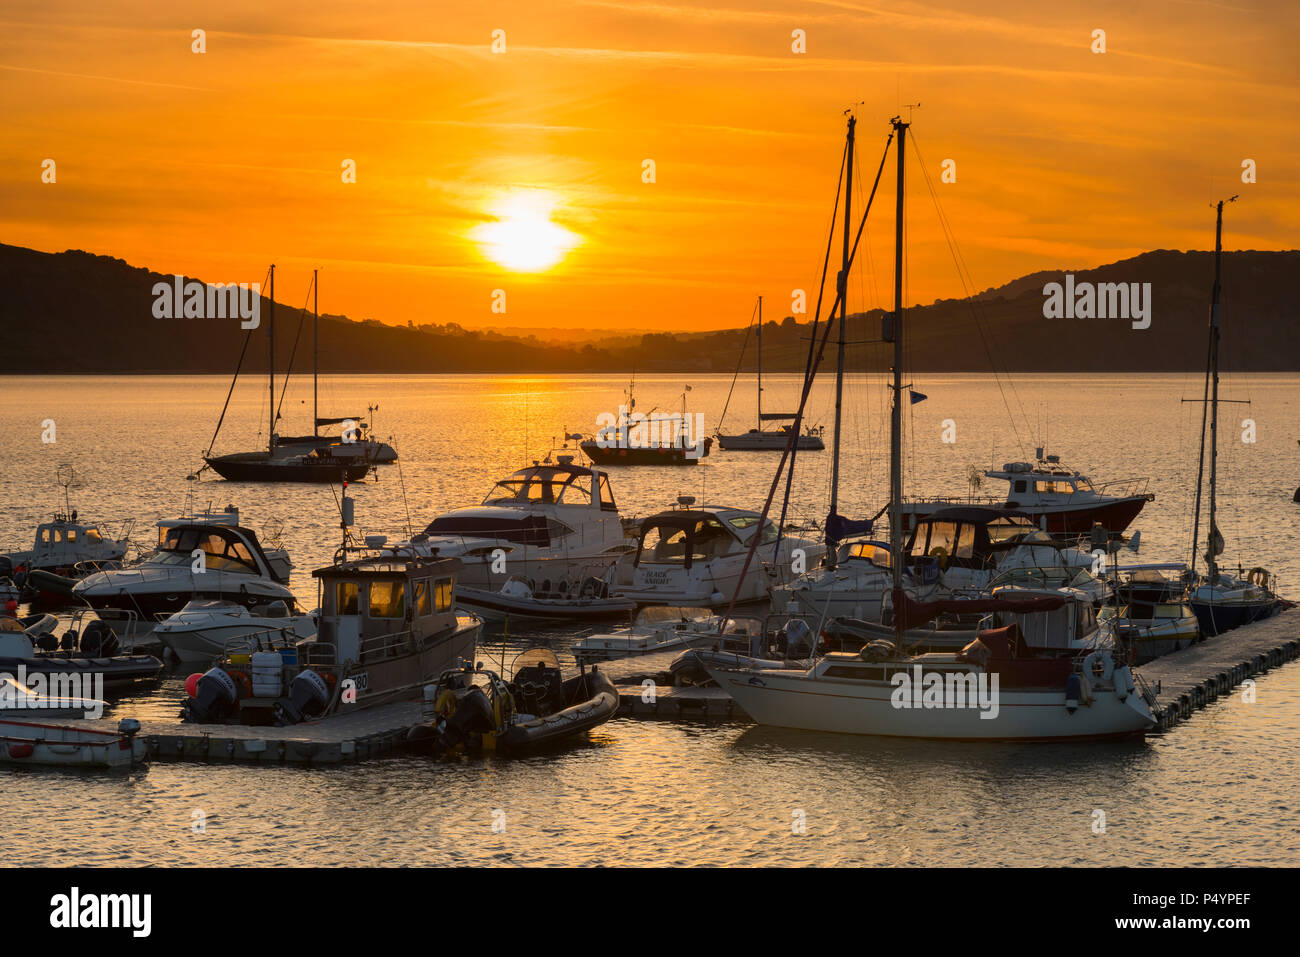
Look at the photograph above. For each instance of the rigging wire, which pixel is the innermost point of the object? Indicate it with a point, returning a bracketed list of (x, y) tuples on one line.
[(739, 362)]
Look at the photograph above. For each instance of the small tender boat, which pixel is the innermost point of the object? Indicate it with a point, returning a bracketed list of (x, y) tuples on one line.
[(663, 628), (29, 742), (94, 658), (203, 629), (475, 710), (585, 601)]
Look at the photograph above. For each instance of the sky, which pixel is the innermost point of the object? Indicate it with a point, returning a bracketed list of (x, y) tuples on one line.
[(500, 148)]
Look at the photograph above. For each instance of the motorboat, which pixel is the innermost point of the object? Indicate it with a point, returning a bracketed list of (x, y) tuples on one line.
[(635, 438), (760, 439), (1059, 500), (18, 701), (204, 628), (387, 627), (231, 566), (41, 743), (663, 628), (960, 550), (1151, 615), (700, 556), (548, 523), (517, 600), (94, 656), (474, 709)]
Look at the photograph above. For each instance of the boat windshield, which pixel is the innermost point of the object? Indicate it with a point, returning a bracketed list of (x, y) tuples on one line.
[(1014, 528), (222, 550), (543, 486)]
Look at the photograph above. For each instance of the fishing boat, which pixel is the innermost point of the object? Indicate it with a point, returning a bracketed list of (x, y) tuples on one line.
[(1027, 680), (548, 523), (699, 555), (1221, 601), (474, 709), (1061, 501), (635, 438), (39, 743), (517, 600), (760, 439), (233, 567), (321, 461), (204, 628), (63, 548), (94, 657), (387, 627)]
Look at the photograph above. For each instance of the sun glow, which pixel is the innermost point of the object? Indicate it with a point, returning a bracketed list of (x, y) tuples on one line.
[(523, 236)]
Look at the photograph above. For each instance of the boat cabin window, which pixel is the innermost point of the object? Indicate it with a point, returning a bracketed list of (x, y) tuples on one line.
[(1008, 529), (1019, 486), (45, 536), (743, 522), (557, 530), (346, 596), (442, 594), (387, 599), (72, 534), (965, 547), (872, 553), (222, 551), (663, 546), (942, 535), (422, 604), (606, 495), (575, 491), (93, 536)]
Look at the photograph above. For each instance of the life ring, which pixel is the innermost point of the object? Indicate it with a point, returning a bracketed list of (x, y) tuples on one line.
[(940, 553), (1107, 667), (446, 703), (1258, 576)]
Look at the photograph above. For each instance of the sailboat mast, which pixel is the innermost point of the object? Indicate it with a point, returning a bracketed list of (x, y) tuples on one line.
[(842, 282), (315, 351), (896, 418), (1211, 554), (270, 363), (760, 363)]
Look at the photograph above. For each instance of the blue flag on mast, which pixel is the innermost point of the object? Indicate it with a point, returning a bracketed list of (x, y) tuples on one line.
[(916, 396)]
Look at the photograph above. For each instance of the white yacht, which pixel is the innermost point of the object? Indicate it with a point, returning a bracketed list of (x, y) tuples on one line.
[(544, 524), (204, 628), (957, 550), (277, 558), (233, 568), (694, 556)]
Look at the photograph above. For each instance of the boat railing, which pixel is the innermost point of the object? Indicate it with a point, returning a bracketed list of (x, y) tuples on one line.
[(388, 645), (263, 640), (1123, 488)]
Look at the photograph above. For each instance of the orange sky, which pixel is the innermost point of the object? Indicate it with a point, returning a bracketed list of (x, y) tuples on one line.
[(216, 164)]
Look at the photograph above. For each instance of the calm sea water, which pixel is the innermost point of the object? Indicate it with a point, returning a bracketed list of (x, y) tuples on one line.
[(1224, 788)]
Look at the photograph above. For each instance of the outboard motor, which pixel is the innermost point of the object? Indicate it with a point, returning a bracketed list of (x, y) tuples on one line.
[(473, 715), (48, 641), (215, 698), (69, 640), (308, 696), (798, 638)]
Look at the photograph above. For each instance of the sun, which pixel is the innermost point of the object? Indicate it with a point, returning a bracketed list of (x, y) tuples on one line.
[(523, 237)]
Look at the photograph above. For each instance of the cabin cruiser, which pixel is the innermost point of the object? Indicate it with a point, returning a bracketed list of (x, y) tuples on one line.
[(204, 628), (546, 523), (695, 555), (231, 567), (388, 626), (955, 550), (1027, 680), (1059, 500)]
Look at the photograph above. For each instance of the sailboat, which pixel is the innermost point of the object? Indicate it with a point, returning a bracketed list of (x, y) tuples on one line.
[(328, 461), (1034, 677), (1221, 602), (760, 439)]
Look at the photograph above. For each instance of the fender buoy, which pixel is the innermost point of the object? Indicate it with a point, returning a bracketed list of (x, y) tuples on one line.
[(940, 553), (1090, 667), (446, 704), (21, 750), (1072, 689)]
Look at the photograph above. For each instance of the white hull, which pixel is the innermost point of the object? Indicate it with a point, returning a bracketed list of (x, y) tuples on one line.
[(31, 742), (200, 645), (791, 699)]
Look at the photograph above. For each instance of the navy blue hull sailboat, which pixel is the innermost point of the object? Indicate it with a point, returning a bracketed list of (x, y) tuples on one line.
[(1220, 601)]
